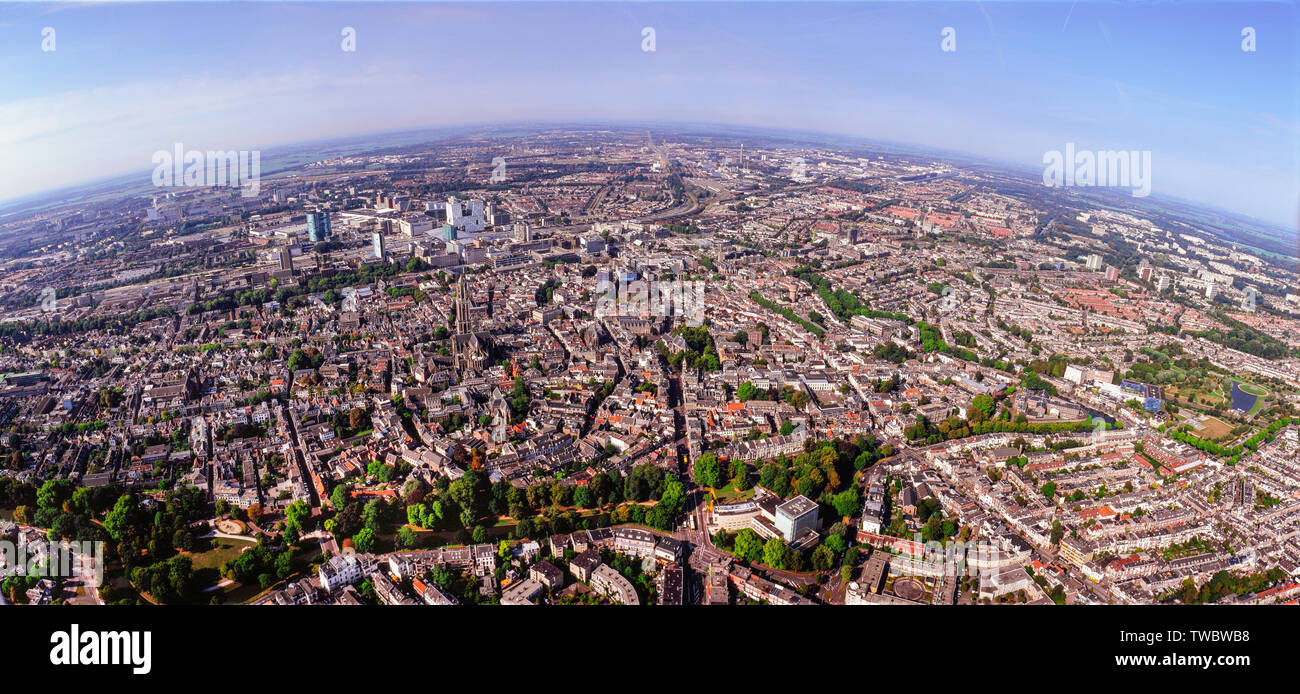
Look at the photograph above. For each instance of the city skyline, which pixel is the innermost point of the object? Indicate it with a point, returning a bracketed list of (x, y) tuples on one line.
[(691, 378), (1219, 121)]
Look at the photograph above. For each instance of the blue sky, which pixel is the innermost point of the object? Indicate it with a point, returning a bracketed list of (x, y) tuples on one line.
[(126, 80)]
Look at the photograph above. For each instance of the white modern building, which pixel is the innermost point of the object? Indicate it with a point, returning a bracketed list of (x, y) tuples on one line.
[(468, 216), (796, 518)]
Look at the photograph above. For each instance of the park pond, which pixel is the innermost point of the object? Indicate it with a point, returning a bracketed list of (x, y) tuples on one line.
[(1241, 400)]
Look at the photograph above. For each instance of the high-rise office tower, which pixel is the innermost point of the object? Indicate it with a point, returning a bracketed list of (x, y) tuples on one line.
[(318, 226)]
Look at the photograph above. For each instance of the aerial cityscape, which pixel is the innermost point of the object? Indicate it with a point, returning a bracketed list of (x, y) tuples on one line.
[(644, 361), (602, 364)]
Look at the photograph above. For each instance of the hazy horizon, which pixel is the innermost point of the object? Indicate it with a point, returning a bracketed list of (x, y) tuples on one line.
[(1221, 123)]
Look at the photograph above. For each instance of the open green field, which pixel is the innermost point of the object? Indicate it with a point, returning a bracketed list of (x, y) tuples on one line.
[(237, 593), (729, 494), (213, 552), (1254, 389), (210, 554)]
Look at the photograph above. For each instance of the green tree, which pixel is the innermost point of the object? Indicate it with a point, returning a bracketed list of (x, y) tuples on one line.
[(749, 546), (740, 475), (708, 472), (774, 553), (846, 502), (835, 543), (52, 494), (406, 537), (121, 517), (297, 515), (364, 540), (582, 497), (284, 564), (823, 558), (339, 496)]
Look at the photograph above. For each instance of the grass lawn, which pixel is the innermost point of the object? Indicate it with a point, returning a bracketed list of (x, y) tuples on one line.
[(240, 593), (303, 557), (212, 553), (729, 494), (1253, 389)]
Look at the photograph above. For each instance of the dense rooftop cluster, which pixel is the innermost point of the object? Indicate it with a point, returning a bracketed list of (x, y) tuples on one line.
[(632, 369)]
